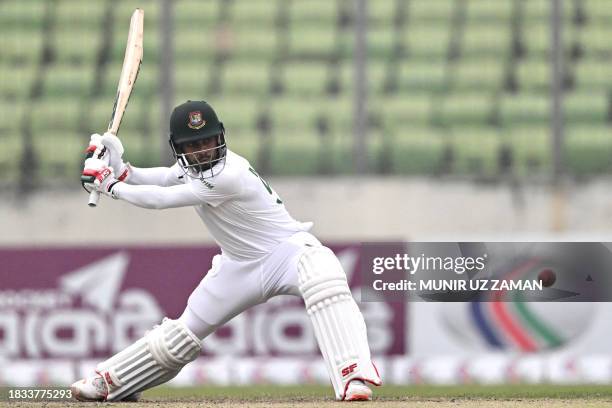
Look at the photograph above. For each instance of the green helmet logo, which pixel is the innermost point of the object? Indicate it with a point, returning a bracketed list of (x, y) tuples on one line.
[(195, 120)]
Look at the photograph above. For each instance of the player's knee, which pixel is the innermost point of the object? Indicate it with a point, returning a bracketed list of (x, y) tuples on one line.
[(321, 276), (173, 345), (196, 324)]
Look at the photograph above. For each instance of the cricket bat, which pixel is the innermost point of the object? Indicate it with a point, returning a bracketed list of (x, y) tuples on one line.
[(129, 73)]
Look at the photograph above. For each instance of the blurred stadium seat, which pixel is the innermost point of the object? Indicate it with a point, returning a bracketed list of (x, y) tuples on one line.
[(451, 83)]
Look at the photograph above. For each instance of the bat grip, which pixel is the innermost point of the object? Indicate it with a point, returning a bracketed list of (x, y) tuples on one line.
[(94, 197)]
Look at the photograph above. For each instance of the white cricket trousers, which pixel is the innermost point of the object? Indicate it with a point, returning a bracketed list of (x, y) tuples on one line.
[(230, 287)]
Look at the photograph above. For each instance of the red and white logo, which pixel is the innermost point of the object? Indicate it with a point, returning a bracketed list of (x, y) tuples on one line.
[(347, 370), (195, 120), (102, 175)]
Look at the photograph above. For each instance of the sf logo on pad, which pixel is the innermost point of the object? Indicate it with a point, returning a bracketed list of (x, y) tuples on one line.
[(347, 370)]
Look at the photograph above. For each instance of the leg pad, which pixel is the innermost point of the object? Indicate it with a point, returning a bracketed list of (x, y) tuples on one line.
[(152, 360), (338, 323)]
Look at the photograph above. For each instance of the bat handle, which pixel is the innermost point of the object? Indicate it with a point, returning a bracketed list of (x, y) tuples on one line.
[(94, 197)]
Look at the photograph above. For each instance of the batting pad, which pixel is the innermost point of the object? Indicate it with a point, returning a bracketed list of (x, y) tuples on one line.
[(338, 324), (152, 360)]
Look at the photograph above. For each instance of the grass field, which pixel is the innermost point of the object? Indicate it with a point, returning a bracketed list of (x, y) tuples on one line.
[(391, 396), (510, 396)]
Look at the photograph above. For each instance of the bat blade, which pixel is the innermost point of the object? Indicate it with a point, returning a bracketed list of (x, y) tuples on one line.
[(129, 73), (130, 69)]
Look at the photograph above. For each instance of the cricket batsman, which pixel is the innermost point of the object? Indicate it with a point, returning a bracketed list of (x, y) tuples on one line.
[(264, 253)]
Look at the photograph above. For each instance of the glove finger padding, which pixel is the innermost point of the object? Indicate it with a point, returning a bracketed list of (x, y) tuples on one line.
[(95, 149), (97, 175), (96, 137), (96, 171), (115, 148), (95, 164), (113, 143), (88, 175)]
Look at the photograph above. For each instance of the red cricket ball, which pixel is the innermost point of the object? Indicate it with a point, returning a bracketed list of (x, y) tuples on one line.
[(547, 277)]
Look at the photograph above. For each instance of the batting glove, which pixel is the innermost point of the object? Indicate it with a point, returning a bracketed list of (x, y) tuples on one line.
[(98, 176), (115, 151), (95, 149)]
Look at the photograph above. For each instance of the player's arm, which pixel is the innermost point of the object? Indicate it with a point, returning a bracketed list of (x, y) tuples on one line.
[(183, 195), (157, 197), (157, 176)]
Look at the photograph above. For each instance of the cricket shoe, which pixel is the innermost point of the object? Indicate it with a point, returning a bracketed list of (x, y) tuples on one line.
[(95, 389), (90, 389), (358, 391)]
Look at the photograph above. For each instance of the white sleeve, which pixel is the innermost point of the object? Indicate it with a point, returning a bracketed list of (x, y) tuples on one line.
[(157, 197), (183, 195), (156, 176)]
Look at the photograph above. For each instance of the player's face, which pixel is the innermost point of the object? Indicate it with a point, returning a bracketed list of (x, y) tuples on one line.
[(200, 151)]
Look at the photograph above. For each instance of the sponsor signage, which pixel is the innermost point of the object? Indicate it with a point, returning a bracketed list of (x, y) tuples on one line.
[(83, 303)]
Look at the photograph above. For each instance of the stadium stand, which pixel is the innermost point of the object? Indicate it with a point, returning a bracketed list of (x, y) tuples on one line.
[(455, 87)]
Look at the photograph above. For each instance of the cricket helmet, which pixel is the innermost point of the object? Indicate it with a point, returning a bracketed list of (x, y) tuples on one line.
[(192, 122)]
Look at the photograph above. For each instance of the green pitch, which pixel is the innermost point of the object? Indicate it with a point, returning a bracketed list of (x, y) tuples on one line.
[(390, 396), (470, 396)]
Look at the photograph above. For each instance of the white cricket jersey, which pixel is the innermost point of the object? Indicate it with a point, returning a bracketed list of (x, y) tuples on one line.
[(243, 213)]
